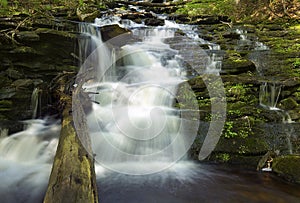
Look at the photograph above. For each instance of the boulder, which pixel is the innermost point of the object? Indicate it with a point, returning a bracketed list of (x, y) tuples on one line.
[(239, 66), (154, 22), (288, 104), (288, 167), (116, 35)]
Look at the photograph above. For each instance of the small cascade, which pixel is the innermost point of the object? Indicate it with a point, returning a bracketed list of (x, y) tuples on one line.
[(289, 132), (268, 98), (18, 147), (25, 161), (211, 59), (134, 127), (249, 42), (36, 102), (259, 51), (90, 46), (269, 95), (3, 133)]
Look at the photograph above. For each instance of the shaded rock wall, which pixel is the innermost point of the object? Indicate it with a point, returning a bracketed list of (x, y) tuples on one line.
[(30, 57)]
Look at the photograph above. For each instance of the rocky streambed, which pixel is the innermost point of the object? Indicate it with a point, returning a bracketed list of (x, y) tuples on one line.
[(259, 70)]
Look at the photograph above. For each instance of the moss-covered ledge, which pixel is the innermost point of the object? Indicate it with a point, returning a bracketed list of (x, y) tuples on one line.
[(288, 167)]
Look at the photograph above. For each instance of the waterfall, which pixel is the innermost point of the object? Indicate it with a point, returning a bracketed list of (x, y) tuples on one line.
[(25, 161), (3, 133), (269, 95), (134, 127), (268, 98), (35, 101)]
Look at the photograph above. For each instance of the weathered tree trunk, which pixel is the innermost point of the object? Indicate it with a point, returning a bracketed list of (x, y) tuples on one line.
[(73, 177)]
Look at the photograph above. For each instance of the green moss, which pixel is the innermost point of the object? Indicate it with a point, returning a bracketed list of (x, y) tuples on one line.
[(229, 130), (5, 105), (288, 104), (296, 63), (56, 32), (295, 29), (288, 167), (223, 157)]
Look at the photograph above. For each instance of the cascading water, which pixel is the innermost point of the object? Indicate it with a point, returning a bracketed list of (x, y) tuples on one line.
[(35, 102), (133, 119), (25, 161), (268, 99), (269, 95), (134, 127), (135, 87)]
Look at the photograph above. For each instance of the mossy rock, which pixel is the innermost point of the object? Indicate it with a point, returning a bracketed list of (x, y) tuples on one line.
[(5, 105), (87, 14), (288, 104), (288, 167), (242, 146), (245, 161), (23, 83), (230, 66), (24, 50), (27, 36), (59, 33)]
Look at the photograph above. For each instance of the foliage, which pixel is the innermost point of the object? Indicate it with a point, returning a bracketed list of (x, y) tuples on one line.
[(224, 157), (237, 10), (3, 3), (45, 7), (296, 63), (228, 128)]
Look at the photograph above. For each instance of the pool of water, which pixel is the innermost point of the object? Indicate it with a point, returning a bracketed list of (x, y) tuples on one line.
[(190, 182)]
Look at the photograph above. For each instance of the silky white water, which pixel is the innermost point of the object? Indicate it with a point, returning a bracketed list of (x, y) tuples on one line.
[(26, 160), (134, 127)]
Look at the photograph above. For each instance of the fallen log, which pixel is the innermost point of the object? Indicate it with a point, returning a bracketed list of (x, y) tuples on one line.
[(73, 176)]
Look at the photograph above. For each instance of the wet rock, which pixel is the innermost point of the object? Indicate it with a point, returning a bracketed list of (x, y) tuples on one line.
[(137, 15), (4, 80), (237, 66), (242, 146), (294, 114), (5, 105), (115, 35), (288, 167), (231, 35), (23, 83), (87, 14), (179, 18), (273, 27), (7, 92), (14, 74), (27, 36), (58, 33), (288, 104), (206, 37), (204, 20), (23, 50), (157, 1), (154, 22), (13, 126)]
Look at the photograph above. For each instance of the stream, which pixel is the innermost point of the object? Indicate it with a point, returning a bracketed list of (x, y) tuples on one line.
[(24, 176), (139, 138)]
